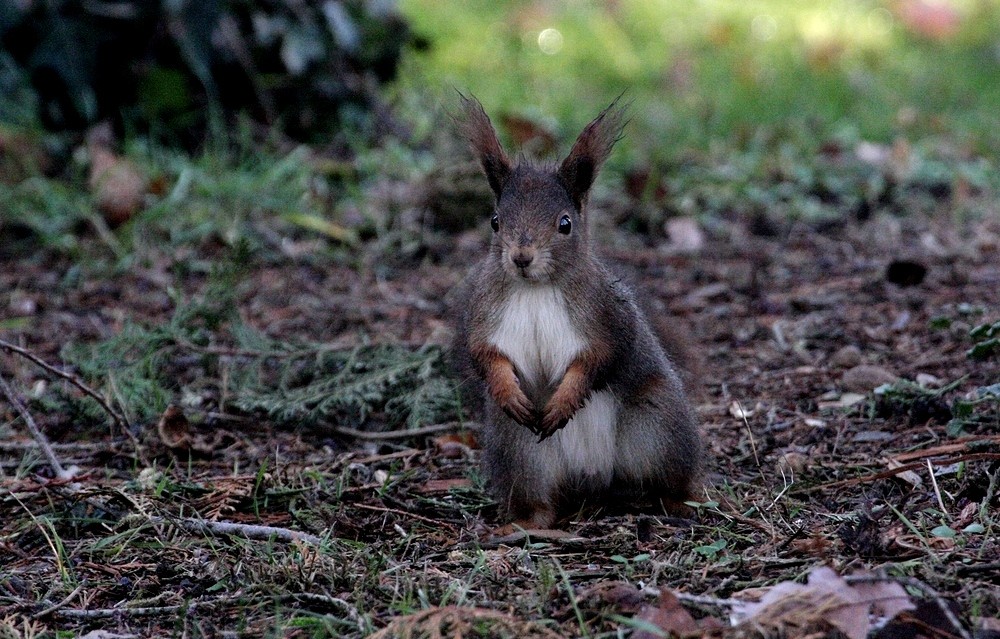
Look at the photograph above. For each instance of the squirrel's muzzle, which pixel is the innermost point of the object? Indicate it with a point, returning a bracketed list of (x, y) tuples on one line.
[(522, 257)]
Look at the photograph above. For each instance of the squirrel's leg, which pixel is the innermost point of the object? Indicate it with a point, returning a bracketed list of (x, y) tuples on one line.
[(659, 451), (522, 479)]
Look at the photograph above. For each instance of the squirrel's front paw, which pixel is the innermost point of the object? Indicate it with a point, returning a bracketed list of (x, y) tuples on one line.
[(550, 425), (518, 407), (558, 412)]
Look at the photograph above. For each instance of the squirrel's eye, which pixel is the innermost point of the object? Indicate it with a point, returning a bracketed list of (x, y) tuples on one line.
[(495, 223), (565, 225)]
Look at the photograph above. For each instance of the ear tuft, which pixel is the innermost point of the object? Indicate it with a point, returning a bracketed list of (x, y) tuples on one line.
[(475, 126), (592, 148)]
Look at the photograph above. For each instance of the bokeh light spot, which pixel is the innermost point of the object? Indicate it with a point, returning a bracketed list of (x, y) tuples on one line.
[(880, 21), (550, 41), (764, 27)]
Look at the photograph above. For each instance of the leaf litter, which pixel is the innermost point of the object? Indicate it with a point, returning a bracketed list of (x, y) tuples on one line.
[(404, 529)]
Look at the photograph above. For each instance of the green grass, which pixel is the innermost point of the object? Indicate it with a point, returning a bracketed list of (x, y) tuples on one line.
[(702, 72), (292, 381)]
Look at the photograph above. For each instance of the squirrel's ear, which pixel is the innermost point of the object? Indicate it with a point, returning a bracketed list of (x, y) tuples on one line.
[(592, 148), (475, 125)]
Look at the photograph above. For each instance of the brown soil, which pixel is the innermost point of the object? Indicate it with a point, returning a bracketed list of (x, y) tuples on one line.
[(799, 480)]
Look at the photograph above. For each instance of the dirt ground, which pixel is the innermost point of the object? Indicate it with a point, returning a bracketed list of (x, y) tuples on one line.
[(794, 326)]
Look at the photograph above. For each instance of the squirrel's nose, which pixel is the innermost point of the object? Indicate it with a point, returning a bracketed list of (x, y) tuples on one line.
[(522, 259)]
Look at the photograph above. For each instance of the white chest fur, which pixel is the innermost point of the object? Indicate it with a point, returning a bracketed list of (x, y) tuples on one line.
[(535, 332)]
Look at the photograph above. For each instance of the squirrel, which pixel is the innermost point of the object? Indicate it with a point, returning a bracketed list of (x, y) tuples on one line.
[(582, 401)]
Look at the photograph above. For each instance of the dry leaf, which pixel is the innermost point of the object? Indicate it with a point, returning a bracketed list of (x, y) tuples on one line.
[(909, 476), (527, 132), (465, 438), (967, 515), (825, 599), (116, 183), (888, 598), (920, 544), (175, 432), (455, 445), (668, 615), (926, 620), (624, 598), (173, 428), (793, 461), (324, 226), (638, 186), (816, 545)]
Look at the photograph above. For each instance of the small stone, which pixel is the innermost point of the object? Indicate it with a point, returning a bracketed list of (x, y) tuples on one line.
[(685, 234), (926, 380), (864, 378), (23, 305), (846, 357), (737, 410), (960, 329), (846, 400)]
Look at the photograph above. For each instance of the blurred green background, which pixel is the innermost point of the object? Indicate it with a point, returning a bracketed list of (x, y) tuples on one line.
[(708, 70), (329, 120)]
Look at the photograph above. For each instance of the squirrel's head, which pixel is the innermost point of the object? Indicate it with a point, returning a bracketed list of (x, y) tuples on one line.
[(540, 221)]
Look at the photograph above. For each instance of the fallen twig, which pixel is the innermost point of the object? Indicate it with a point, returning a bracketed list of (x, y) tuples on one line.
[(403, 513), (70, 597), (399, 454), (69, 446), (36, 433), (895, 471), (104, 613), (965, 444), (701, 600), (72, 379), (250, 531), (369, 435)]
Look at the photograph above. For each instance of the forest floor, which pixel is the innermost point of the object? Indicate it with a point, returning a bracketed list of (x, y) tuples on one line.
[(390, 531)]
